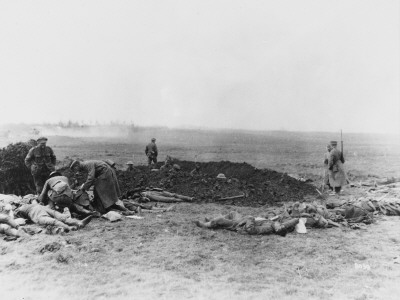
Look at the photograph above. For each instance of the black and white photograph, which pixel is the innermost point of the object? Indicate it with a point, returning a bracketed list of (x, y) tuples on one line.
[(187, 149)]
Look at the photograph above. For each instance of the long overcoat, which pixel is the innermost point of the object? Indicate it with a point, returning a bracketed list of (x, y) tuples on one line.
[(105, 184), (337, 175)]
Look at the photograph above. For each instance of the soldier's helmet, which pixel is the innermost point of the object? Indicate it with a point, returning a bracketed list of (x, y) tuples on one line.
[(153, 139), (42, 138)]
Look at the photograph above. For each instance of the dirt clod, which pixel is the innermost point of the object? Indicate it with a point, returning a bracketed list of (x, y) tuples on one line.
[(52, 247), (63, 258)]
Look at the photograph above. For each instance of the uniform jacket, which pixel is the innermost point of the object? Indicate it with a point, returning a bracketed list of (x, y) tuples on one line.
[(335, 156), (55, 186), (94, 168), (39, 158), (151, 150)]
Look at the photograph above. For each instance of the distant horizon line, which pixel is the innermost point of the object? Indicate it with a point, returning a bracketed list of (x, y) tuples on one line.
[(80, 125)]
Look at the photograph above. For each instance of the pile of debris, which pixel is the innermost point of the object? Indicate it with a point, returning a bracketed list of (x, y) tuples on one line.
[(226, 182), (15, 177)]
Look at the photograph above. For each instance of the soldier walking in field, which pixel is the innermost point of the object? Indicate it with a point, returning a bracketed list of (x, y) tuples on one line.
[(337, 176), (41, 161), (151, 152)]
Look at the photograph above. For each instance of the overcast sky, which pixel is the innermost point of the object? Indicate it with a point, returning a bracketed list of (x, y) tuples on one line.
[(295, 64)]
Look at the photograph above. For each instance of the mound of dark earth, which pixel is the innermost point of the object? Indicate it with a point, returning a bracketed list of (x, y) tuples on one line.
[(15, 177), (259, 187)]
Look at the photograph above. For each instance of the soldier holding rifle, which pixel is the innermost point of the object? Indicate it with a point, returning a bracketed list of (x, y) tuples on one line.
[(337, 176)]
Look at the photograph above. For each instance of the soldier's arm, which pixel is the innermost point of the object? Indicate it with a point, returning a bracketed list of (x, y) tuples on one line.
[(155, 150), (331, 160), (91, 177), (28, 159), (146, 150)]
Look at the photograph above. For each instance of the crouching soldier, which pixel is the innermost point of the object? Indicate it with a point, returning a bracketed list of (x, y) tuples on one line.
[(41, 161), (57, 192)]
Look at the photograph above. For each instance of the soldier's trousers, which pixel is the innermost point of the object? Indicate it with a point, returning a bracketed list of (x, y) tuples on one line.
[(40, 179), (59, 220), (151, 159)]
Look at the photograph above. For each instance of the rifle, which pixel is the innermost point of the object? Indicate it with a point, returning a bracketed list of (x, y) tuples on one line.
[(341, 146)]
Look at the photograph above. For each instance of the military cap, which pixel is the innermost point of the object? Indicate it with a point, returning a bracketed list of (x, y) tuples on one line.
[(153, 139), (42, 138), (221, 176), (109, 162), (129, 163), (333, 143)]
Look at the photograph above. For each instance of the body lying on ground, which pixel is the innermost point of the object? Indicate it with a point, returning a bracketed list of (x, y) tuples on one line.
[(8, 226), (45, 216), (144, 207), (319, 216), (163, 196), (250, 225)]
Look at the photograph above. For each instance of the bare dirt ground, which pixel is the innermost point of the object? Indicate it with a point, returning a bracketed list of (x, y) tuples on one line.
[(166, 256)]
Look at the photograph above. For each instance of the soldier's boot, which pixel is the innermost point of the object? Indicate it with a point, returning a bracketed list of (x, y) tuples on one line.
[(75, 224), (85, 221), (203, 224), (84, 212)]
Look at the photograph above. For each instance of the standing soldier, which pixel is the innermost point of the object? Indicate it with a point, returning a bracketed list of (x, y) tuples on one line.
[(326, 167), (41, 161), (152, 152), (337, 176)]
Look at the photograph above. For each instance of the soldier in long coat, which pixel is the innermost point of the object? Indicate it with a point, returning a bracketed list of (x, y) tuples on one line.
[(41, 161), (337, 176), (326, 166), (106, 187)]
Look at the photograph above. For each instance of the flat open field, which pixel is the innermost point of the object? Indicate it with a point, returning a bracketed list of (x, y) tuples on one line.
[(166, 256)]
